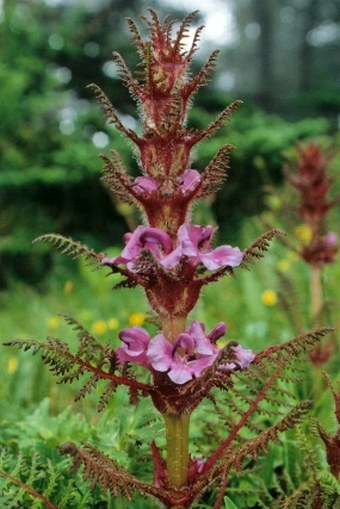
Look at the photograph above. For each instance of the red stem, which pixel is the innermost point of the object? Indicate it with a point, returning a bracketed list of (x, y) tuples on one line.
[(220, 496), (103, 374), (214, 457)]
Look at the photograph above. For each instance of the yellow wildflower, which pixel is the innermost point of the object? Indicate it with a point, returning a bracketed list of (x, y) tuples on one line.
[(53, 322), (283, 265), (136, 319), (269, 297), (99, 327), (12, 365), (113, 324), (68, 287), (304, 233)]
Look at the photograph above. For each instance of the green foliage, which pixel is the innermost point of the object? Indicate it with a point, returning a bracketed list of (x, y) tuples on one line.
[(119, 433), (33, 484)]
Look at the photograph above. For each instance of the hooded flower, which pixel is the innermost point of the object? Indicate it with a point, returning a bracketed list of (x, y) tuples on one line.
[(185, 184), (193, 241), (189, 181), (144, 237), (322, 249), (135, 343), (191, 353), (145, 185), (243, 357)]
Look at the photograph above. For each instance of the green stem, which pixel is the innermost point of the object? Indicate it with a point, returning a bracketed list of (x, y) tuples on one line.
[(316, 302), (177, 436), (173, 326)]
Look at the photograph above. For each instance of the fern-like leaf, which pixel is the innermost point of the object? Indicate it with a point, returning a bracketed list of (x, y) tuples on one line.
[(136, 37), (257, 249), (216, 172), (134, 88), (71, 247), (101, 470), (92, 358), (202, 78), (218, 123), (194, 44), (31, 484), (111, 113), (183, 30)]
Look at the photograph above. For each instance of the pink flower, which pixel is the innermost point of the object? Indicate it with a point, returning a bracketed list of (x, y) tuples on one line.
[(135, 343), (144, 237), (186, 183), (191, 353), (145, 185), (189, 181), (193, 241), (243, 358)]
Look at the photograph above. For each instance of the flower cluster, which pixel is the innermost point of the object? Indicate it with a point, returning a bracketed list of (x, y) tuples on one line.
[(313, 184), (193, 243), (185, 358)]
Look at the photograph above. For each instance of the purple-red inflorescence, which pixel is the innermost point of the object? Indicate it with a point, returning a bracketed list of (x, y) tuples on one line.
[(170, 257), (312, 183)]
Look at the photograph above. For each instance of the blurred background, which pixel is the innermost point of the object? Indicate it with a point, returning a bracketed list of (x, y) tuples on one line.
[(281, 57)]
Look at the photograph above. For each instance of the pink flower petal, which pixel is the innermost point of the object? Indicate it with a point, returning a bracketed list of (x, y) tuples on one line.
[(136, 339), (180, 374), (244, 356), (160, 353), (186, 342), (217, 332), (189, 181), (222, 256), (124, 356), (172, 259), (145, 185), (192, 237)]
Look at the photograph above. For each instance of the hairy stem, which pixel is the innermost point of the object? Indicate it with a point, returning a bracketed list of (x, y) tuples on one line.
[(177, 436), (173, 327)]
